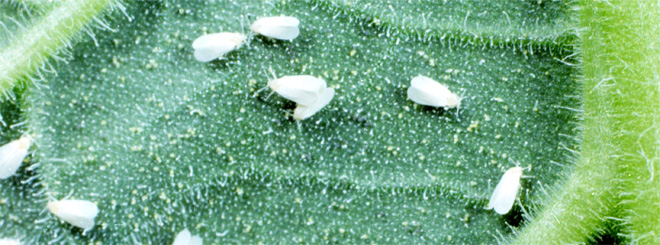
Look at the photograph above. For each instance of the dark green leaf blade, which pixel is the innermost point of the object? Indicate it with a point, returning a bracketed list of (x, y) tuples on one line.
[(163, 142)]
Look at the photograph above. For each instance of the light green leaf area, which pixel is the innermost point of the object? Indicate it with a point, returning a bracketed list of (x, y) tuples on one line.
[(162, 142)]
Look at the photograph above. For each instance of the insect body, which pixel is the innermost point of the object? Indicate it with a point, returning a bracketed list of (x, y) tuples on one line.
[(185, 238), (7, 241), (506, 191), (426, 91), (302, 89), (79, 213), (12, 155), (304, 111), (281, 27), (214, 46)]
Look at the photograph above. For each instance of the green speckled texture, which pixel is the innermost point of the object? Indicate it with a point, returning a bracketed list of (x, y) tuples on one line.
[(162, 142)]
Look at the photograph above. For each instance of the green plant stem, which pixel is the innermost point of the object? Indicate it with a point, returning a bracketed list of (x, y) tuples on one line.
[(34, 6), (622, 44), (36, 44), (577, 210), (617, 168)]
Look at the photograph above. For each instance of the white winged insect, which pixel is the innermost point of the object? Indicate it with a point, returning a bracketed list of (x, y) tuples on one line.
[(185, 238), (216, 45), (279, 27), (12, 155), (305, 111), (302, 89), (426, 91), (506, 191), (79, 213), (7, 241)]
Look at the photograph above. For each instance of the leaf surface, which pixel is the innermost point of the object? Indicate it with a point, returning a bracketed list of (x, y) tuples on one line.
[(162, 142)]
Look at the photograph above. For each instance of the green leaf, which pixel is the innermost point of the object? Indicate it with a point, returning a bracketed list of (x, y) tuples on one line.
[(162, 142)]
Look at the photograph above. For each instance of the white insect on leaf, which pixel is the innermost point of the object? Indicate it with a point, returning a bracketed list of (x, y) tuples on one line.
[(185, 238), (12, 155), (7, 241), (302, 89), (304, 111), (280, 27), (79, 213), (506, 191), (216, 45), (426, 91)]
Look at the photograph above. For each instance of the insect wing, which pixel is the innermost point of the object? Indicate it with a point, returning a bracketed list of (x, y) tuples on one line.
[(302, 112), (12, 155), (303, 89), (426, 91), (506, 191), (76, 212), (282, 27), (185, 238), (212, 46), (182, 238)]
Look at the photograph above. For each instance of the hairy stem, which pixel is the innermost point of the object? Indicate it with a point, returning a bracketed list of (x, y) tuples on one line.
[(622, 58), (35, 45), (618, 166)]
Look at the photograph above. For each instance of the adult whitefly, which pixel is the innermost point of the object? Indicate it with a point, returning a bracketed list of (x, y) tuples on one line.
[(302, 89), (506, 191), (305, 111), (185, 238), (280, 27), (216, 45), (79, 213), (426, 91), (12, 155), (7, 241)]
